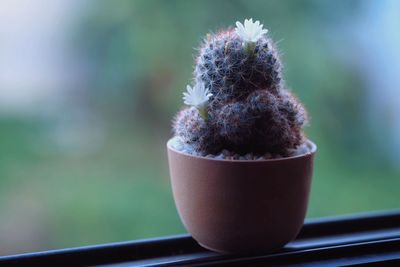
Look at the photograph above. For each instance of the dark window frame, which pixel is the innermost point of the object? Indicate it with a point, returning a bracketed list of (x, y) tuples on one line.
[(372, 238)]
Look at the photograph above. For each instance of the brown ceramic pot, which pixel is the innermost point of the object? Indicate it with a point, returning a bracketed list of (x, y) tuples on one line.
[(241, 206)]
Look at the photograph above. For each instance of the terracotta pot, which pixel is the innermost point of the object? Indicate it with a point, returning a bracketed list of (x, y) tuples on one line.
[(241, 206)]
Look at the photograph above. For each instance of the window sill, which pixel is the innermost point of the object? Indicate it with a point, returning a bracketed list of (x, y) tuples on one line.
[(345, 240)]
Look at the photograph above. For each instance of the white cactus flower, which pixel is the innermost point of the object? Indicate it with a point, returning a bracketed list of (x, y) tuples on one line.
[(197, 96), (251, 31)]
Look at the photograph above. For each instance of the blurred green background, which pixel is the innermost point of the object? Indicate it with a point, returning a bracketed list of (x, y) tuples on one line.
[(88, 90)]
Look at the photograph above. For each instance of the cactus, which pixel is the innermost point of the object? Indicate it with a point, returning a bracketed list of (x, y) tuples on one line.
[(239, 100)]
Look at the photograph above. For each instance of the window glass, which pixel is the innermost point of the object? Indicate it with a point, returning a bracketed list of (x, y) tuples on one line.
[(88, 90)]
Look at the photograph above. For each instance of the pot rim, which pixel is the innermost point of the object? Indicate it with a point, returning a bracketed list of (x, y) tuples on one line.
[(312, 146)]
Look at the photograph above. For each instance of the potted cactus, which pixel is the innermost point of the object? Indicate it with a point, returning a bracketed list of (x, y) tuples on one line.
[(239, 161)]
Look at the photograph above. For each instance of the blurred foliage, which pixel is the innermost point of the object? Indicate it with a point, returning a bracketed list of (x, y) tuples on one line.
[(139, 57)]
